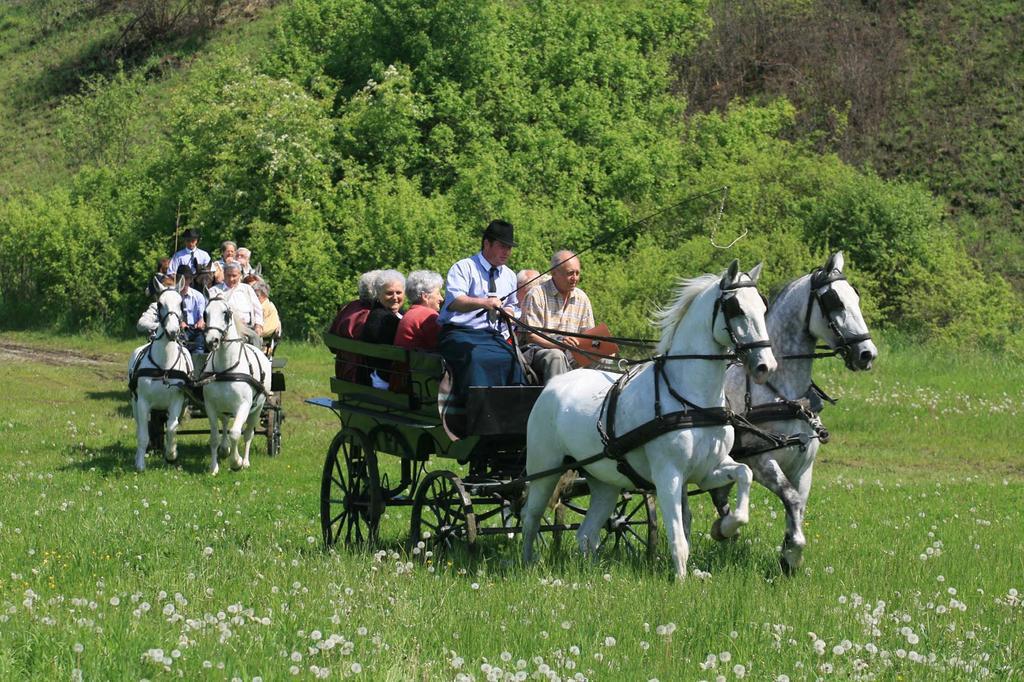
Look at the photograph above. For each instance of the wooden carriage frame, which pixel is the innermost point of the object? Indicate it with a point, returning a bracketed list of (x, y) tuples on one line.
[(480, 488)]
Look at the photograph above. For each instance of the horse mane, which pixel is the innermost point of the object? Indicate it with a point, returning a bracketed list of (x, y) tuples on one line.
[(786, 288), (668, 318)]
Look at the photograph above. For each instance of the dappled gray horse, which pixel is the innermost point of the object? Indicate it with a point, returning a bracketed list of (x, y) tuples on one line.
[(820, 307)]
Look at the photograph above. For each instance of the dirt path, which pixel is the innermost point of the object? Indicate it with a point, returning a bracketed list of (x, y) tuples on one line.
[(18, 351)]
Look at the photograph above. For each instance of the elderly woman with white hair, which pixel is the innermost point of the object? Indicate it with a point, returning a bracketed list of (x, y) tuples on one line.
[(418, 328), (271, 320), (348, 323), (382, 322)]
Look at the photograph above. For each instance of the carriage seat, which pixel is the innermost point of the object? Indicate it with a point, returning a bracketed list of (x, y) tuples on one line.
[(414, 376)]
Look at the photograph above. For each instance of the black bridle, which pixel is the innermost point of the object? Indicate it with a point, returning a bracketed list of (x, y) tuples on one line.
[(162, 317), (223, 330), (729, 305), (830, 303)]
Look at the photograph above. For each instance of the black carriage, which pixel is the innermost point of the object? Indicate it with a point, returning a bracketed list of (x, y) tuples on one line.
[(459, 487), (271, 417)]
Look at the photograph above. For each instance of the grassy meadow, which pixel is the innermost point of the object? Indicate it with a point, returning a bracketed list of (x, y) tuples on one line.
[(914, 568)]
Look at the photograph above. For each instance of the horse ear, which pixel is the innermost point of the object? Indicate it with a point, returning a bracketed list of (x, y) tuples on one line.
[(755, 272), (179, 286), (835, 262), (732, 272), (259, 270)]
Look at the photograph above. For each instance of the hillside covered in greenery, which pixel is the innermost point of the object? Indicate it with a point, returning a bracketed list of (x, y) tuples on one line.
[(336, 136)]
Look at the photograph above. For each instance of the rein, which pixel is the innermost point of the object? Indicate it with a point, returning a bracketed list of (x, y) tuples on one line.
[(691, 415)]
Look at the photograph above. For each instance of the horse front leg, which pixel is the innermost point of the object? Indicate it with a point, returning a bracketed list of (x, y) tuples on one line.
[(720, 500), (211, 414), (603, 497), (171, 428), (797, 542), (141, 410), (538, 492), (670, 499), (768, 473), (247, 435), (726, 473), (235, 434)]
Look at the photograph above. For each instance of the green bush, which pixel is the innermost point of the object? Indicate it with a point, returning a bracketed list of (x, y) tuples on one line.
[(387, 134), (244, 147)]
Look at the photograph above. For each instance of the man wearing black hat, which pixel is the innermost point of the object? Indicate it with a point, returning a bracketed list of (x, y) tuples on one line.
[(191, 257), (474, 339)]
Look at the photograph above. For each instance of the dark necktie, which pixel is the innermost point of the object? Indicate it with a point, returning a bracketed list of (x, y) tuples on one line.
[(492, 288)]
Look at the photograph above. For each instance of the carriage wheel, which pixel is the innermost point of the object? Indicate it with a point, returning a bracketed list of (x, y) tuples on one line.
[(632, 527), (350, 501), (442, 513), (274, 418)]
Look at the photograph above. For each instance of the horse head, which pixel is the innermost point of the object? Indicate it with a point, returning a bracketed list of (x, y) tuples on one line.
[(836, 319), (203, 279), (742, 324), (219, 321), (169, 310)]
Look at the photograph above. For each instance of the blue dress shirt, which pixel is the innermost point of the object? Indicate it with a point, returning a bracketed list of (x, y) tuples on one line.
[(184, 258), (471, 277), (193, 305)]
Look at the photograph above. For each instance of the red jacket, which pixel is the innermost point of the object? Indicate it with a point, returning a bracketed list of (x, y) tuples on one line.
[(349, 323)]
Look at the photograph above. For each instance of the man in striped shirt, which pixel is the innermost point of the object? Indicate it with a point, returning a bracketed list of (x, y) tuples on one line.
[(559, 305)]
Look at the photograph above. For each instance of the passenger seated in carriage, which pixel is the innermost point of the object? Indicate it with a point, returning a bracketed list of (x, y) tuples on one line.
[(159, 278), (382, 324), (474, 336), (244, 256), (418, 328), (243, 302), (193, 305), (527, 280), (271, 320), (557, 304), (348, 323), (228, 249)]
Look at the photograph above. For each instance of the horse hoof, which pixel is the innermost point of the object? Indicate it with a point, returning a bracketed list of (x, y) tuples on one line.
[(788, 569), (171, 458), (236, 464), (245, 464), (718, 535), (214, 470)]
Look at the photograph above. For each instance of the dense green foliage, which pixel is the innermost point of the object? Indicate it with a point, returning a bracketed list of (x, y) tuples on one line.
[(386, 134)]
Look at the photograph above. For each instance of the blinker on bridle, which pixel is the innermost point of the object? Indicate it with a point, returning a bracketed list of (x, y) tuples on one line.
[(831, 306), (163, 318), (729, 304)]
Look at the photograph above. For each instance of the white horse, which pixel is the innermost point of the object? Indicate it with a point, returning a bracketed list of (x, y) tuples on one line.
[(820, 307), (236, 383), (709, 314), (157, 372)]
